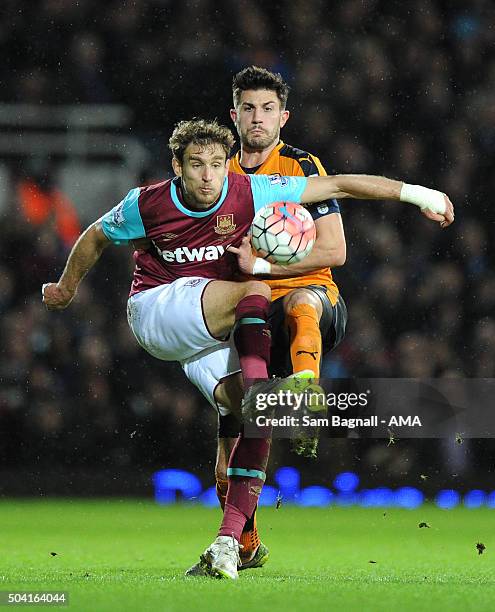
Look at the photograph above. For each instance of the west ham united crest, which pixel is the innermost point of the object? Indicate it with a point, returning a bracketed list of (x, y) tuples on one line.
[(225, 224)]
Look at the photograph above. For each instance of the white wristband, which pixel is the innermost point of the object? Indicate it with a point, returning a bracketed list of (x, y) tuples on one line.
[(423, 197), (261, 266)]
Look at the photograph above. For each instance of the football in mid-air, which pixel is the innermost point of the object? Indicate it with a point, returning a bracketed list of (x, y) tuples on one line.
[(283, 232)]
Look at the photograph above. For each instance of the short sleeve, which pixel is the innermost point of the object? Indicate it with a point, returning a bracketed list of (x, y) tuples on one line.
[(311, 166), (275, 188), (123, 223), (322, 209)]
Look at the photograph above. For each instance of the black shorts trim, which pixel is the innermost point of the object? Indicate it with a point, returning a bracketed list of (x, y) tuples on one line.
[(228, 426)]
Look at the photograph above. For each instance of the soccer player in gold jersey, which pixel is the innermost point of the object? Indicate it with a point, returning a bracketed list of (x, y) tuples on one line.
[(307, 287), (308, 314)]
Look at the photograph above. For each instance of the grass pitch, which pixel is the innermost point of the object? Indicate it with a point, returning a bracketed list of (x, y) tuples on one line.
[(130, 555)]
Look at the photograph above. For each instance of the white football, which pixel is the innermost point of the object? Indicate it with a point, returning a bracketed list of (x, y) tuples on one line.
[(283, 232)]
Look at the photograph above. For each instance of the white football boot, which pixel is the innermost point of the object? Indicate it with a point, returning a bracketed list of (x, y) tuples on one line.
[(222, 557)]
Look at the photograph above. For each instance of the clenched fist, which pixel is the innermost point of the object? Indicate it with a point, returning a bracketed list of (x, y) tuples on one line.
[(56, 297), (444, 219)]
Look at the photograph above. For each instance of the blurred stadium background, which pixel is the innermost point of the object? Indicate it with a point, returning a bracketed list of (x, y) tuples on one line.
[(90, 93)]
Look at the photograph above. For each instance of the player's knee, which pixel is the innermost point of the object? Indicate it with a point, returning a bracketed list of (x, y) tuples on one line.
[(256, 287), (301, 296)]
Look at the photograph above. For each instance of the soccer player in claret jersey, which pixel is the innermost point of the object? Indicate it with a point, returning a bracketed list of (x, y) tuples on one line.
[(183, 304)]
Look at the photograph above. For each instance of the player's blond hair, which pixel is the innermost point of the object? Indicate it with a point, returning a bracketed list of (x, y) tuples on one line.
[(254, 78), (200, 132)]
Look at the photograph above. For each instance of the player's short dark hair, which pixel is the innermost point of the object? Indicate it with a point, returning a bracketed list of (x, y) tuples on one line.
[(200, 132), (255, 77)]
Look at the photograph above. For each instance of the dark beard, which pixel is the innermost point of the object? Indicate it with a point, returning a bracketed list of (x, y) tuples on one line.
[(259, 145)]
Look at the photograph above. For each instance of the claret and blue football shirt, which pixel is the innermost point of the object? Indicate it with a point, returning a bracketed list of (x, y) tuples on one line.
[(186, 242)]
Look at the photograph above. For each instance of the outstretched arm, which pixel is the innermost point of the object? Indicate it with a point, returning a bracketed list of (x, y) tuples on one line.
[(434, 204), (85, 253), (359, 186)]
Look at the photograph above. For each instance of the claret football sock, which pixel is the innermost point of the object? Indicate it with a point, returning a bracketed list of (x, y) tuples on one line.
[(250, 538), (246, 474), (305, 339), (252, 336), (233, 522)]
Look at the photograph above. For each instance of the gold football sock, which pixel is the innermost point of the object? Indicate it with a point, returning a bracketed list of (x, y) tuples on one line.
[(305, 339)]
